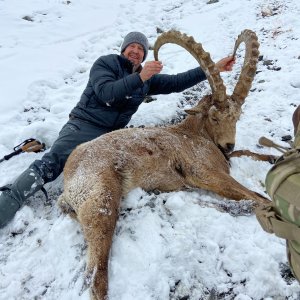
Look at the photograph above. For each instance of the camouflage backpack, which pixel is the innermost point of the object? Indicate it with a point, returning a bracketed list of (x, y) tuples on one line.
[(282, 216)]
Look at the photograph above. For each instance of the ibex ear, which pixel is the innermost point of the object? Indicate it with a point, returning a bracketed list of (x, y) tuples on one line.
[(213, 114), (192, 111)]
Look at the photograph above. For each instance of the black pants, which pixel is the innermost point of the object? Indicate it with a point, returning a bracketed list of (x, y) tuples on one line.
[(73, 133)]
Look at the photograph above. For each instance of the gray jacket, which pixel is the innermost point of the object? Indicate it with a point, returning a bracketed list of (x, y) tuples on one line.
[(114, 92)]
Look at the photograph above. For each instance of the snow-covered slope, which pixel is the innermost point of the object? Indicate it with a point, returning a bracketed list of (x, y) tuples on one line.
[(184, 245)]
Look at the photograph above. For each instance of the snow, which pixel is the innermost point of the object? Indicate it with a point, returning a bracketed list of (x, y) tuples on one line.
[(166, 246)]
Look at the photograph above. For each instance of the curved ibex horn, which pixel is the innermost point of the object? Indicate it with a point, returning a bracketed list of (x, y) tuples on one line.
[(203, 58), (248, 71)]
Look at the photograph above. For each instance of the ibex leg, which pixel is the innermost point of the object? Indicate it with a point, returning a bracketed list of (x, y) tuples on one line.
[(256, 156), (98, 216), (225, 185)]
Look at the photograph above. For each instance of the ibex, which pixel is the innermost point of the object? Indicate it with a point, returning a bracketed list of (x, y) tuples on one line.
[(191, 154)]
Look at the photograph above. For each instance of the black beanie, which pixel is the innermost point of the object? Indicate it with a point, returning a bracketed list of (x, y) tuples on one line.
[(136, 37)]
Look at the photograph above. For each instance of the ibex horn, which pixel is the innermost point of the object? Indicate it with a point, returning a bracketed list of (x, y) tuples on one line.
[(203, 58), (248, 70)]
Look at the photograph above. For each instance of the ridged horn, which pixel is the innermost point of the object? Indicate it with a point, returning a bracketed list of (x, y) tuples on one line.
[(202, 57), (248, 70)]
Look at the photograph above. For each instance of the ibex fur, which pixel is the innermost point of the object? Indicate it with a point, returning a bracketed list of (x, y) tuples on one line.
[(191, 154)]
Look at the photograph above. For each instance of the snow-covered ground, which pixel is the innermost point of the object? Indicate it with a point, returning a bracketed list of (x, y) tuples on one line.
[(179, 245)]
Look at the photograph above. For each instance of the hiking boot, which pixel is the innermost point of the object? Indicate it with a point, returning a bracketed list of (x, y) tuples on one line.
[(13, 196)]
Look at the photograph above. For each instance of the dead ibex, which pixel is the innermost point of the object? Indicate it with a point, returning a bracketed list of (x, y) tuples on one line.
[(188, 155)]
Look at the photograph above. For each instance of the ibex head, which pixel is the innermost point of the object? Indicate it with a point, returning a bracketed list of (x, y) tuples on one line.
[(219, 112)]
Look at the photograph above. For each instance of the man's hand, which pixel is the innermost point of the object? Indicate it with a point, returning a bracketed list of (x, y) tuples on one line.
[(225, 64), (150, 68)]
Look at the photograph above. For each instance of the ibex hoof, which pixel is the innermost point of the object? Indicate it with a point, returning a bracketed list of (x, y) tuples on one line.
[(261, 200), (272, 159)]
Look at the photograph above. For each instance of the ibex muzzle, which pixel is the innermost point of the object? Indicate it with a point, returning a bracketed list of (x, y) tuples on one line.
[(187, 155)]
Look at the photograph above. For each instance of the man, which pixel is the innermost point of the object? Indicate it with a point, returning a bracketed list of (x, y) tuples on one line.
[(117, 86), (282, 215)]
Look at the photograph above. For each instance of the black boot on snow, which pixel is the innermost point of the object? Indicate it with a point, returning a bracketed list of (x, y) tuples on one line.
[(13, 196)]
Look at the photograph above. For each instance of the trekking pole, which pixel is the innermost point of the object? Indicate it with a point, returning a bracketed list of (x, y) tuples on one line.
[(29, 145)]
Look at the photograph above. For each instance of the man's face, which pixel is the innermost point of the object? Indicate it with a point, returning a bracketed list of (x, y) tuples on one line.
[(135, 53)]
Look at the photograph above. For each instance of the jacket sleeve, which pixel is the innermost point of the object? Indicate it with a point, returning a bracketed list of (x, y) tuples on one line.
[(166, 84), (106, 85)]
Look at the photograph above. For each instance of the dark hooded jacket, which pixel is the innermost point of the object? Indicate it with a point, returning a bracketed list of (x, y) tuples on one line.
[(114, 92)]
